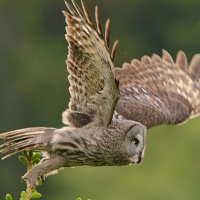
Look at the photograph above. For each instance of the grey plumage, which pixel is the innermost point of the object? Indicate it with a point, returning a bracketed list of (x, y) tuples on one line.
[(109, 108), (69, 146)]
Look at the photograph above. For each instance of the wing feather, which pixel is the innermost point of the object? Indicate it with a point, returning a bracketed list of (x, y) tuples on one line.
[(93, 89), (158, 91)]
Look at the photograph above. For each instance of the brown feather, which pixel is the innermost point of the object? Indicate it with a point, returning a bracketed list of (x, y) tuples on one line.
[(156, 90), (79, 11), (87, 14), (114, 49), (99, 28), (107, 32), (181, 61), (70, 9), (194, 68)]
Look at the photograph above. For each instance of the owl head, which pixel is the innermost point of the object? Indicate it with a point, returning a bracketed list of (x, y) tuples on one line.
[(122, 143)]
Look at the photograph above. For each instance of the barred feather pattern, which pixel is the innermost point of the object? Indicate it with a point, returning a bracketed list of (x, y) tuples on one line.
[(93, 88), (36, 138), (158, 90)]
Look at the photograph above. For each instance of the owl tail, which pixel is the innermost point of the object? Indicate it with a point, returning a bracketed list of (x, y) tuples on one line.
[(36, 138)]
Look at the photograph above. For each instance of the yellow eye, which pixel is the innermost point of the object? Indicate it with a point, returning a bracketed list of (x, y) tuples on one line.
[(135, 141)]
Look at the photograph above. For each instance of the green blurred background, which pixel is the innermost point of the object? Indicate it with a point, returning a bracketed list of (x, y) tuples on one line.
[(34, 92)]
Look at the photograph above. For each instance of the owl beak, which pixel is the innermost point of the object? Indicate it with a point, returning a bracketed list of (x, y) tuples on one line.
[(141, 155), (137, 159)]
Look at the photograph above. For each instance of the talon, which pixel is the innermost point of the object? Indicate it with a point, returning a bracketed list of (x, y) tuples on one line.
[(42, 178), (30, 181), (24, 178)]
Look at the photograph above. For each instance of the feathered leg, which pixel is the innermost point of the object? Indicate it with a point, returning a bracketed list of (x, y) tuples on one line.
[(45, 167)]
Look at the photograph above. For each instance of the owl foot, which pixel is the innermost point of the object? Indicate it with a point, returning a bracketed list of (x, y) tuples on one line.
[(30, 180), (33, 182)]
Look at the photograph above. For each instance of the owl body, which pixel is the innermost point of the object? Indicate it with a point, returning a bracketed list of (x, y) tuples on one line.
[(97, 146), (120, 143)]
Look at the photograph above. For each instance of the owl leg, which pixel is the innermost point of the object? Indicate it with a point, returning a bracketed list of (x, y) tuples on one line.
[(46, 166)]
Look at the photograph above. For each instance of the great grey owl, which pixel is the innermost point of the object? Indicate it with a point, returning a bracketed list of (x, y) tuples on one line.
[(110, 108)]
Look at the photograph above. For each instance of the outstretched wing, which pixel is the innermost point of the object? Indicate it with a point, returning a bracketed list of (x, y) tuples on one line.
[(157, 91), (93, 88)]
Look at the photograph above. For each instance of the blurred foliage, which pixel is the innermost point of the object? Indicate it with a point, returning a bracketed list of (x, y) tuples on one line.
[(34, 92)]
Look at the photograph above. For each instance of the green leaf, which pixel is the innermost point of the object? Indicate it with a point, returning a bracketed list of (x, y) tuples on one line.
[(23, 194), (39, 182), (36, 195), (34, 190), (23, 160), (36, 160), (24, 153), (79, 199), (37, 155), (30, 154), (8, 197)]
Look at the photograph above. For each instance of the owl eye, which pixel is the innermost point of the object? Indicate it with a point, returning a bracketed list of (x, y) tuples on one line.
[(135, 141)]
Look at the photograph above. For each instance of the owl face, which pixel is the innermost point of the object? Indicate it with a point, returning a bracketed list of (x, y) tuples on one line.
[(135, 143)]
